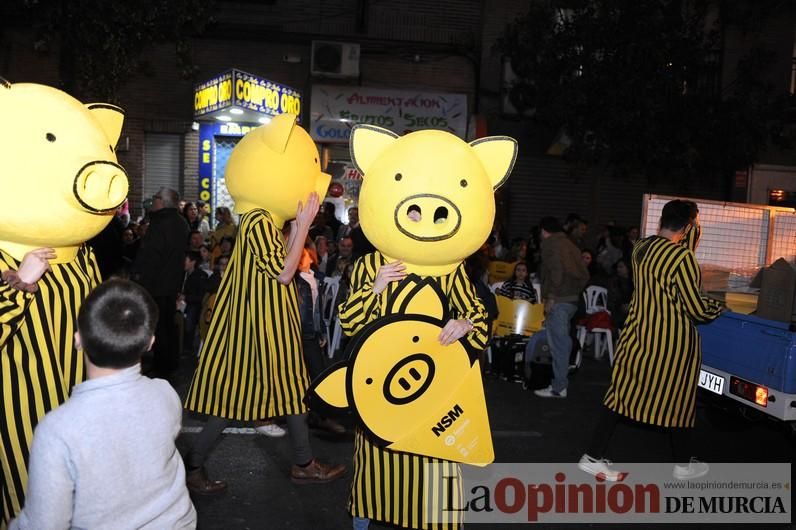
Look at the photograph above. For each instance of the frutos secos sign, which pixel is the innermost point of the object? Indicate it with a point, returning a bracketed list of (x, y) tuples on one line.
[(241, 89), (336, 109)]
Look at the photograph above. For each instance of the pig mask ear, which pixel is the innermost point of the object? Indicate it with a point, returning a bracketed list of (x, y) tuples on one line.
[(367, 143), (110, 118), (276, 133), (497, 154)]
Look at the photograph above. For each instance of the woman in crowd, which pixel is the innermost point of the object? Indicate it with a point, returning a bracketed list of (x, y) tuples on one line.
[(519, 286), (225, 227)]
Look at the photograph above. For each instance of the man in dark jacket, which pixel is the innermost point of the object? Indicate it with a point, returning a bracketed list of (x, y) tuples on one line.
[(564, 275), (159, 268)]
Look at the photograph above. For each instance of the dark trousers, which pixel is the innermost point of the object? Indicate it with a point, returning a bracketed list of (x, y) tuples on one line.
[(166, 355), (679, 437)]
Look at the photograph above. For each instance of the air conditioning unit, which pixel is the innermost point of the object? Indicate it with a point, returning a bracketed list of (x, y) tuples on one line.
[(335, 59)]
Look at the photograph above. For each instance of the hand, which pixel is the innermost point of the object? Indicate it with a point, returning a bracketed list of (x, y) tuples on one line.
[(548, 305), (391, 272), (305, 213), (35, 264), (453, 331)]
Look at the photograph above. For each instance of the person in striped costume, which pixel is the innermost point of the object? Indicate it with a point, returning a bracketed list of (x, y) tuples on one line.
[(251, 365), (656, 366), (61, 186), (426, 204)]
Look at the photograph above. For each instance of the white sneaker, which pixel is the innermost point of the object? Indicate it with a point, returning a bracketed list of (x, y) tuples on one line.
[(600, 468), (694, 469), (550, 393), (272, 430)]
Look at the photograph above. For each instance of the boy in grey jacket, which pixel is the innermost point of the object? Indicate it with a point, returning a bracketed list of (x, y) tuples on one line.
[(106, 458)]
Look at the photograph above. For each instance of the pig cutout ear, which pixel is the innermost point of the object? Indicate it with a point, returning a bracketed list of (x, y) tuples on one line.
[(276, 133), (367, 143), (110, 118), (330, 386), (416, 296), (497, 155)]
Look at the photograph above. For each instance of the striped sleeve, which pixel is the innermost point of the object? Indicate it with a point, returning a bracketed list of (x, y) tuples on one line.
[(265, 244), (362, 305), (687, 278), (13, 304), (466, 304)]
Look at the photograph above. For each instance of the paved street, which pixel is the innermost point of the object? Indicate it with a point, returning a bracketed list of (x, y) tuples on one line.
[(525, 429)]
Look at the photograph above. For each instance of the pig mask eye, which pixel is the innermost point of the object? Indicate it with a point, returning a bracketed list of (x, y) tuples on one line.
[(463, 183), (50, 137)]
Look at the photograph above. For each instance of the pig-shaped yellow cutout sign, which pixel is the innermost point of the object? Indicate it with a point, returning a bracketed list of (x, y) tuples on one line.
[(274, 167), (60, 179), (417, 395), (427, 197)]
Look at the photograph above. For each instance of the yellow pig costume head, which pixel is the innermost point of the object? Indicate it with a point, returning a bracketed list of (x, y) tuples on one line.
[(274, 167), (427, 197), (58, 171)]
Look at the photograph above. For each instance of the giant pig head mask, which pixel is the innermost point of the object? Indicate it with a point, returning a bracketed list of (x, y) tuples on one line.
[(59, 176), (427, 198)]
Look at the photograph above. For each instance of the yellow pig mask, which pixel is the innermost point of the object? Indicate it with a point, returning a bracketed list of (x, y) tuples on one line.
[(60, 179), (274, 167), (427, 197)]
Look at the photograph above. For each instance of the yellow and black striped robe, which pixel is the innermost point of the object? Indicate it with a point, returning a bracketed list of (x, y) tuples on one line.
[(39, 364), (656, 366), (400, 488), (251, 365)]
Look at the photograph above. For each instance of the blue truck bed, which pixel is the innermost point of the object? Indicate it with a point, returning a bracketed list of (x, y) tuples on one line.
[(755, 350)]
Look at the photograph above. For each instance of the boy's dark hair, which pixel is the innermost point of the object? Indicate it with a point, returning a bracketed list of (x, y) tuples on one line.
[(677, 213), (194, 256), (116, 324), (550, 225)]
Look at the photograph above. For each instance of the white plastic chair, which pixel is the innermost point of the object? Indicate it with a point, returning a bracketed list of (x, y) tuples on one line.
[(596, 299), (335, 338)]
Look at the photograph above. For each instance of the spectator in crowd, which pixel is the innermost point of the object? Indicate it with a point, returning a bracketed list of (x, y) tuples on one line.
[(353, 221), (194, 287), (320, 228), (656, 366), (219, 267), (576, 227), (225, 227), (107, 455), (620, 292), (345, 251), (142, 227), (159, 267), (224, 248), (328, 209), (564, 276), (195, 241), (191, 213), (202, 209), (130, 243), (630, 241), (322, 252), (519, 286), (612, 251), (108, 248), (204, 264)]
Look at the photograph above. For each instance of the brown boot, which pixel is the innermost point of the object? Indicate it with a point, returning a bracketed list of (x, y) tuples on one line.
[(198, 483), (316, 473)]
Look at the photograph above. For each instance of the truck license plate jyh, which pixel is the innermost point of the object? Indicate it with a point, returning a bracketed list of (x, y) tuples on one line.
[(711, 382)]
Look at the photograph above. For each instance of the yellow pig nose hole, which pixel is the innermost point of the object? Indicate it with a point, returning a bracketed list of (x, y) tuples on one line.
[(409, 379), (440, 215)]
